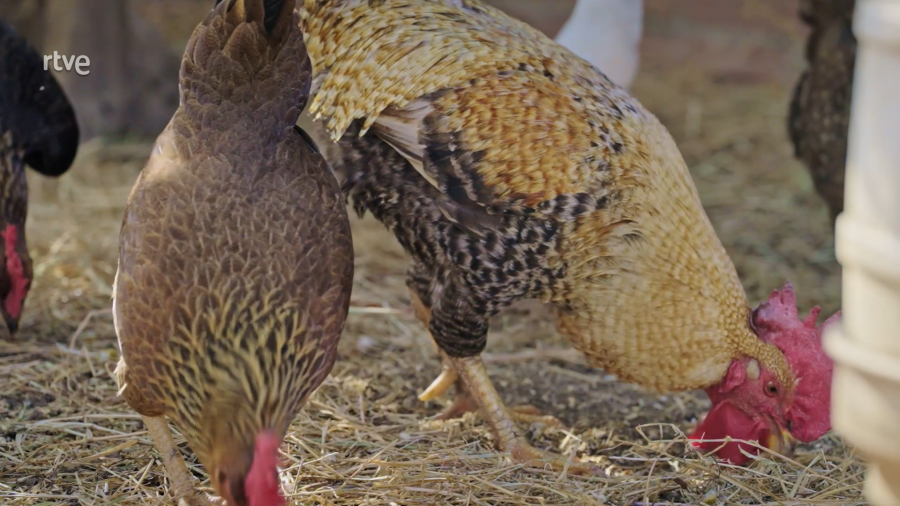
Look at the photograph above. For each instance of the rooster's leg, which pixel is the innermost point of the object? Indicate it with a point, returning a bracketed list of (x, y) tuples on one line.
[(182, 486), (464, 403), (479, 387)]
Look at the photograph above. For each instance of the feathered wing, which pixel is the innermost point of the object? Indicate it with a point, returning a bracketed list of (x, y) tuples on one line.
[(458, 140), (459, 84)]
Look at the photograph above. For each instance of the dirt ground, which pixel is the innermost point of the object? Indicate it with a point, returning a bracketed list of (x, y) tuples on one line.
[(718, 73)]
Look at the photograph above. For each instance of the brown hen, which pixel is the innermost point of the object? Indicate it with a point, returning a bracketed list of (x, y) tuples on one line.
[(511, 169), (235, 258)]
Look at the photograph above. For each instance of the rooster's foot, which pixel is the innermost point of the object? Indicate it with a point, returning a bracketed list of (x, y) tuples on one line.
[(525, 454), (464, 402), (483, 395), (524, 414)]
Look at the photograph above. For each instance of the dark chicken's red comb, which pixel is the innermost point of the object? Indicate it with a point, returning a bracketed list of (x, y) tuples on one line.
[(16, 271), (776, 321)]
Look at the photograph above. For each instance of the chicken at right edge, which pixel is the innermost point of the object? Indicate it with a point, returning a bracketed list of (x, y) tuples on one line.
[(819, 114), (511, 169)]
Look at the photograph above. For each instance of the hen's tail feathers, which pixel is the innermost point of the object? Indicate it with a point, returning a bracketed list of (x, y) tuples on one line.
[(240, 49), (33, 107), (275, 15)]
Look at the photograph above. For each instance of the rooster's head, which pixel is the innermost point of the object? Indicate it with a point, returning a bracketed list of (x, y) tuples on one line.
[(778, 397)]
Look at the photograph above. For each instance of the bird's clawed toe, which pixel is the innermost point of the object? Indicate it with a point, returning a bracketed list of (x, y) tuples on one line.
[(530, 456), (441, 384), (525, 414), (528, 414), (462, 404)]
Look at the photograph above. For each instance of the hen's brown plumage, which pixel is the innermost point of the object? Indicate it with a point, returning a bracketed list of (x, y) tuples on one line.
[(235, 256), (509, 169), (819, 115)]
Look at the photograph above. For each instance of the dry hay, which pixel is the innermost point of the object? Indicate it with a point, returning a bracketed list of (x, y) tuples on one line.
[(65, 438), (364, 439)]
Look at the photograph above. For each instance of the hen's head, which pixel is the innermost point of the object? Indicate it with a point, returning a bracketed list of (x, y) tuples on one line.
[(755, 402), (248, 478)]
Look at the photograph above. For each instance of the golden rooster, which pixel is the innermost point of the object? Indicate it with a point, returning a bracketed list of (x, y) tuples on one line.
[(235, 258), (37, 128), (819, 115), (510, 169)]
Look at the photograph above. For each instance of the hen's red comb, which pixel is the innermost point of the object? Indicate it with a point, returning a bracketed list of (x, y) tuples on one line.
[(261, 483), (777, 322)]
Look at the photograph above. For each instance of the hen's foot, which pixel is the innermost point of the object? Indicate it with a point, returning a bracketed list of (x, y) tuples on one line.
[(180, 477), (482, 392)]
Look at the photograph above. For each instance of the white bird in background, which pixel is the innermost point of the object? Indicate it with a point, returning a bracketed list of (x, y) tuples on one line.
[(607, 33)]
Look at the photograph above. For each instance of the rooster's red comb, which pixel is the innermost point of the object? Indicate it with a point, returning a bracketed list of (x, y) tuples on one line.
[(776, 322)]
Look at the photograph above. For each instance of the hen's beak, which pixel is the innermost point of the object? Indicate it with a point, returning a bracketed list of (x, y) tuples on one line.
[(781, 441)]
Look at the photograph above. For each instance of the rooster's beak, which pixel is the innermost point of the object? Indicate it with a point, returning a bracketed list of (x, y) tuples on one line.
[(782, 442)]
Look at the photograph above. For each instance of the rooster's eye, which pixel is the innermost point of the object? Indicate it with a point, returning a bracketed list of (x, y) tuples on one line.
[(771, 389)]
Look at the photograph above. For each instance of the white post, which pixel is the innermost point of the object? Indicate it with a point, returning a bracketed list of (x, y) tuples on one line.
[(866, 345), (606, 33)]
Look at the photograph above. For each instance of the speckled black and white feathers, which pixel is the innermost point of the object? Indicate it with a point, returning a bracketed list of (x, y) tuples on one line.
[(235, 256), (476, 273), (33, 107), (819, 114)]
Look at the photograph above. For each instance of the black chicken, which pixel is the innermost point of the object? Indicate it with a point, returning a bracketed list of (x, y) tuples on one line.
[(37, 128)]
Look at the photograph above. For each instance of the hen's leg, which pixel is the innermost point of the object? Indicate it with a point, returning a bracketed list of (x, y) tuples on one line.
[(182, 486), (459, 325), (463, 403)]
